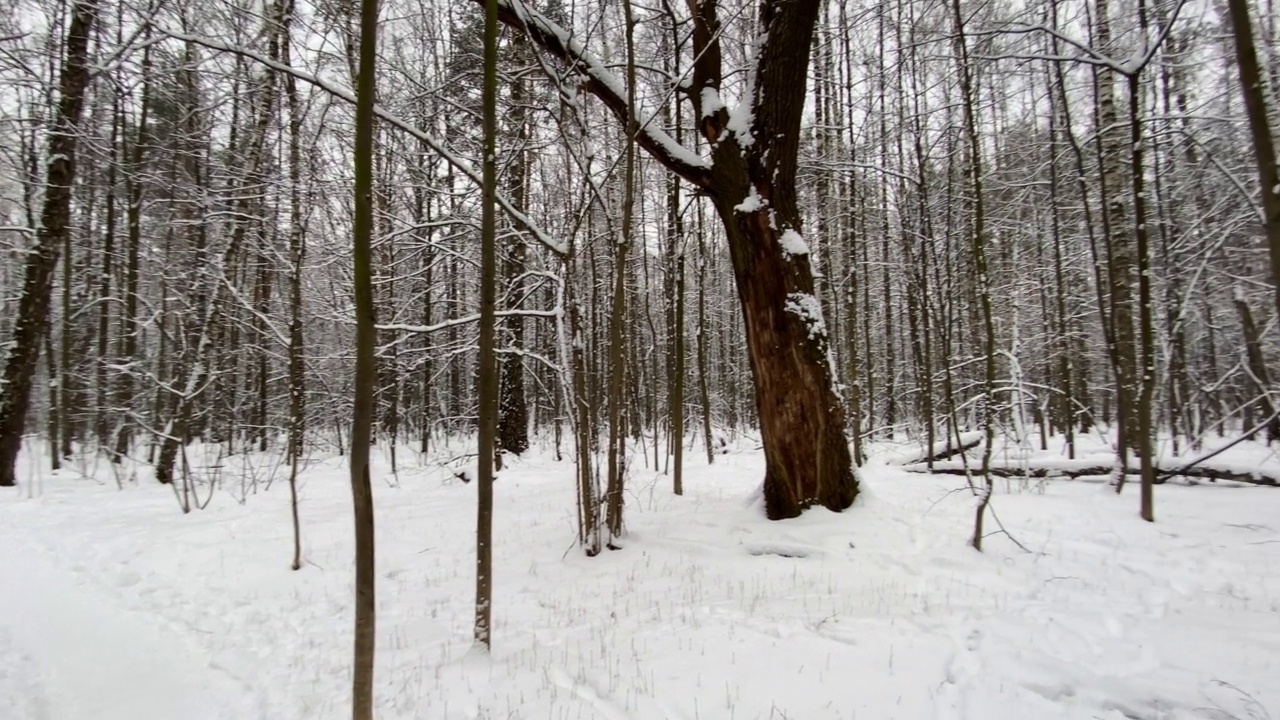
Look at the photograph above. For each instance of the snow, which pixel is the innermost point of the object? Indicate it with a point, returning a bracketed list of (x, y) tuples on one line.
[(98, 658), (808, 309), (710, 101), (792, 243), (115, 605), (742, 114), (751, 203)]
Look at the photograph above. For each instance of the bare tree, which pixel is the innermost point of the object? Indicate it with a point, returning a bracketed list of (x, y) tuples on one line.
[(751, 181), (52, 234)]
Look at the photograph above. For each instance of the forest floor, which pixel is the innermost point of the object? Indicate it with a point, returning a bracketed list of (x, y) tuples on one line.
[(116, 606)]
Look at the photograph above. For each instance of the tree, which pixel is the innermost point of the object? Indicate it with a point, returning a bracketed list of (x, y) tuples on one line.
[(1253, 88), (751, 182), (366, 377), (297, 254), (53, 233), (488, 371), (978, 245), (513, 408)]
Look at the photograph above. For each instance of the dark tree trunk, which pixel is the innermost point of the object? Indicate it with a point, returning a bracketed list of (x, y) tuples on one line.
[(366, 377), (487, 391), (101, 428), (131, 323), (807, 460), (513, 408), (297, 256), (33, 307), (1255, 103), (1257, 366)]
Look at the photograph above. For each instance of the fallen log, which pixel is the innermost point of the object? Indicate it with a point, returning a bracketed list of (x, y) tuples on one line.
[(1031, 470), (945, 450)]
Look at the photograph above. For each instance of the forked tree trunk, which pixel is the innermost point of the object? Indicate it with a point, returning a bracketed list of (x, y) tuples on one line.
[(807, 460)]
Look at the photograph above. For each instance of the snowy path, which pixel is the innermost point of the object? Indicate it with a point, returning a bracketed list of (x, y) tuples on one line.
[(87, 658), (115, 606)]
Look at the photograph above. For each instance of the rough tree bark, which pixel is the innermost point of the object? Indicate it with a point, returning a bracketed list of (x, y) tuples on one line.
[(55, 227), (751, 182)]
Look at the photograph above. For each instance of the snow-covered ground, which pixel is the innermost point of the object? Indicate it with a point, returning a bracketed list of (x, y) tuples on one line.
[(115, 606)]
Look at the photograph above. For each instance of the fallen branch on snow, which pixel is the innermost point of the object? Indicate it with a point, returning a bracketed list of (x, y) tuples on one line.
[(945, 450), (1031, 470)]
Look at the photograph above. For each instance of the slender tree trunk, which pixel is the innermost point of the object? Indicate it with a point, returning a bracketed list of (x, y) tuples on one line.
[(1257, 367), (617, 340), (131, 323), (297, 257), (488, 372), (978, 245), (704, 371), (1065, 400), (1146, 323), (1121, 260), (675, 245), (366, 377), (66, 363), (102, 429), (54, 422)]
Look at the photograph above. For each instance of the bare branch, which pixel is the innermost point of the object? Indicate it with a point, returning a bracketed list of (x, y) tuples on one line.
[(467, 319), (599, 81), (521, 220)]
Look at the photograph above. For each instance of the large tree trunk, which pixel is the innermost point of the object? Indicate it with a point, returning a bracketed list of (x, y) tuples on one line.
[(807, 460), (37, 285)]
